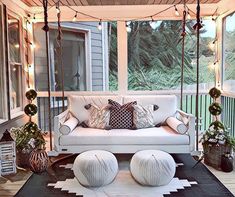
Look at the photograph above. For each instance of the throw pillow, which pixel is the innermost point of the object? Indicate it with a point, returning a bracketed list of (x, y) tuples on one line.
[(98, 116), (143, 116), (177, 125), (121, 116), (69, 125)]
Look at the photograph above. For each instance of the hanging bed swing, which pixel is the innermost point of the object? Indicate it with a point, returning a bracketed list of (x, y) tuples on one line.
[(197, 27)]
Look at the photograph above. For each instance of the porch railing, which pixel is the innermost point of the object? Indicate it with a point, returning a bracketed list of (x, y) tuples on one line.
[(228, 115), (188, 100)]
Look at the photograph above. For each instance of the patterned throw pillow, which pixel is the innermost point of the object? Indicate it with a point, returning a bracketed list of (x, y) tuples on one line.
[(98, 117), (121, 116), (143, 116)]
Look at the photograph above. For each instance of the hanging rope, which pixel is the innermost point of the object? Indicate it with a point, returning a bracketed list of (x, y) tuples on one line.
[(197, 27), (59, 54), (183, 34), (46, 29)]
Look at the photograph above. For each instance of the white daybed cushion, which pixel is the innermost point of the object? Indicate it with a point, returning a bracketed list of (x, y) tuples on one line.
[(89, 136), (77, 103), (167, 105), (177, 125), (69, 125)]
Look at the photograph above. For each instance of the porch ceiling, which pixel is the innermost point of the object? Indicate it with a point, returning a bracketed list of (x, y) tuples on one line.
[(33, 3)]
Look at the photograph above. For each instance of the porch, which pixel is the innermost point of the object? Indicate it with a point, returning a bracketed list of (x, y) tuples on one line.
[(116, 48)]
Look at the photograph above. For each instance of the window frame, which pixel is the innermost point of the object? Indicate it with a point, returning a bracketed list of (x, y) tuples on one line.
[(222, 74), (2, 75), (19, 110), (88, 59)]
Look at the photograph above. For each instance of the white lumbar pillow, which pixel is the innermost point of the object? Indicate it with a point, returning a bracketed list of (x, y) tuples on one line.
[(69, 125), (177, 125)]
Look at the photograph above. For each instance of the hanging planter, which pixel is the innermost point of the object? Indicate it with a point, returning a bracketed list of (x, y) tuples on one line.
[(38, 160)]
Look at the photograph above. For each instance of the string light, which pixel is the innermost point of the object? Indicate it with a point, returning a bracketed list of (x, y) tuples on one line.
[(188, 16), (213, 66), (176, 11), (212, 45), (34, 19), (128, 28), (33, 46), (57, 9), (152, 23), (100, 25), (75, 17)]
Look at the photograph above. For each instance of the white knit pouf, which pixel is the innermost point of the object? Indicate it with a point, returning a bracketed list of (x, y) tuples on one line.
[(95, 168), (152, 167)]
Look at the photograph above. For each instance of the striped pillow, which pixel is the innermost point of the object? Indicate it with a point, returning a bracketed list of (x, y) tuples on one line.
[(121, 116)]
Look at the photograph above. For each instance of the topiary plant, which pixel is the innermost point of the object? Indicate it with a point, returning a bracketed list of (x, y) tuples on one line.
[(216, 140), (29, 136)]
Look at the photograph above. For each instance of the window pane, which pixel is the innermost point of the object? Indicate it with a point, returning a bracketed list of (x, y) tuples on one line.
[(16, 85), (154, 56), (87, 55), (73, 58), (229, 53), (14, 39)]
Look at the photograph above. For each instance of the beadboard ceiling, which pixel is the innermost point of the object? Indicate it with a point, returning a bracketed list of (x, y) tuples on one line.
[(32, 3)]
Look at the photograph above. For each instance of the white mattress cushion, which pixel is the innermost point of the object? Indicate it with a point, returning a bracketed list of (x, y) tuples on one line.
[(156, 136), (167, 105), (77, 103)]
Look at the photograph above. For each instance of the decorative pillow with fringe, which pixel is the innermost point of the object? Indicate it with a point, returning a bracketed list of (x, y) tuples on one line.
[(143, 116), (121, 116), (98, 116)]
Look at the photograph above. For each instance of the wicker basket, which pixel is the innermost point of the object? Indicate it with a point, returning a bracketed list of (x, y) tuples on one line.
[(213, 154)]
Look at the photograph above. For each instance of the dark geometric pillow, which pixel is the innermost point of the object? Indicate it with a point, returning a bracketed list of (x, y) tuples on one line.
[(121, 116)]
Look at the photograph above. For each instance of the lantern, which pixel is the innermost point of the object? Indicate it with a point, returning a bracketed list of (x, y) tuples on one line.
[(7, 154)]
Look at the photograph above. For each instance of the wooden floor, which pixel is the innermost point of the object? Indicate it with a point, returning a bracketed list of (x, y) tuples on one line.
[(11, 184)]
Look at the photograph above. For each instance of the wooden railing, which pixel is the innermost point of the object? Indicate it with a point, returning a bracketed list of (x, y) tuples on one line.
[(228, 115)]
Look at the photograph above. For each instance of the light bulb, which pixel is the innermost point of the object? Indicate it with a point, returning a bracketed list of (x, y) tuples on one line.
[(17, 46), (213, 66), (189, 16), (57, 10), (34, 19), (33, 46), (128, 29), (176, 11), (100, 26), (75, 17), (152, 23), (212, 46)]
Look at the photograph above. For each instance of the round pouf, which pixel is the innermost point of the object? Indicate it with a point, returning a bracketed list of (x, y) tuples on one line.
[(95, 168), (152, 167)]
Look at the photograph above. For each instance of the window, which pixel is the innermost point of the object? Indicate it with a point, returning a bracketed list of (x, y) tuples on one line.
[(154, 55), (15, 64), (229, 54), (73, 59), (87, 54), (3, 109)]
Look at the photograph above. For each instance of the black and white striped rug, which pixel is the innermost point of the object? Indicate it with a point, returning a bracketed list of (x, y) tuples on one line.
[(188, 182)]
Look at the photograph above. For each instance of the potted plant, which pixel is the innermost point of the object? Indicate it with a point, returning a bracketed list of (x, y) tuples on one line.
[(216, 140), (28, 137)]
